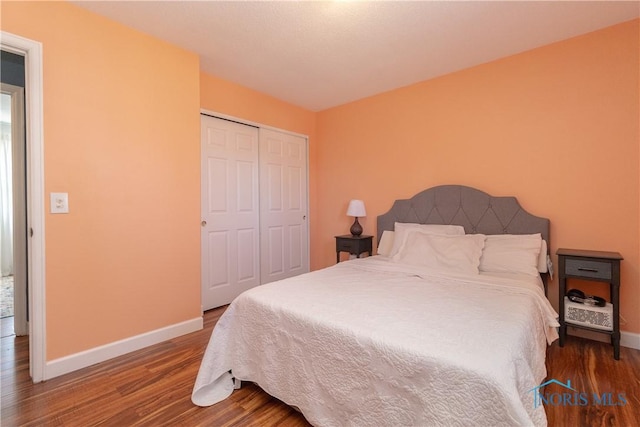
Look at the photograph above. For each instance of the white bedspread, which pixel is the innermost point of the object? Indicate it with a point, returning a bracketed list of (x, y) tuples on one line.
[(372, 342)]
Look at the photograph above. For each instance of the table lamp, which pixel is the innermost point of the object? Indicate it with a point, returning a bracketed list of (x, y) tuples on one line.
[(356, 209)]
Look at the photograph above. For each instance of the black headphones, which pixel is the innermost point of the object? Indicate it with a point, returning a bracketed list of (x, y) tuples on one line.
[(576, 295)]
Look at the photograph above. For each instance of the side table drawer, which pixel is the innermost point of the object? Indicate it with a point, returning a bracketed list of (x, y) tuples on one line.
[(586, 268), (344, 245)]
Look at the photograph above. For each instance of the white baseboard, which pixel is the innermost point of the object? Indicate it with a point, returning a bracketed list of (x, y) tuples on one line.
[(95, 355), (627, 339)]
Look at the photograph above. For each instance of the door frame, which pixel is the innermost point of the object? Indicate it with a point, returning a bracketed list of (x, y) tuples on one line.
[(32, 51), (263, 126)]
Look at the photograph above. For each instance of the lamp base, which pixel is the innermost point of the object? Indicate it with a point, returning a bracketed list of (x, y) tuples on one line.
[(356, 228)]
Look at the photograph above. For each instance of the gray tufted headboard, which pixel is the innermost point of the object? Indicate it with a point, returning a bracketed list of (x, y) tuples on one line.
[(475, 210)]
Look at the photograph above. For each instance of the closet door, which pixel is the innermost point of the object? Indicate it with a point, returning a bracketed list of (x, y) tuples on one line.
[(230, 210), (284, 246)]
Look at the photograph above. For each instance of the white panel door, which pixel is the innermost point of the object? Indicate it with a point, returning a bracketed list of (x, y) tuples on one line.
[(284, 246), (230, 210)]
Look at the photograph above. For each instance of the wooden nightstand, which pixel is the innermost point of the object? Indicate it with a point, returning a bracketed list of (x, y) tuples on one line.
[(354, 245), (596, 266)]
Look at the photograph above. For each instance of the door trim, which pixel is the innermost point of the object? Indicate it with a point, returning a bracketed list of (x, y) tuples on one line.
[(254, 124), (32, 51)]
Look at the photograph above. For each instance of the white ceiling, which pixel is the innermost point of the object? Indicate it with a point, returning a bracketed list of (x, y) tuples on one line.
[(319, 54)]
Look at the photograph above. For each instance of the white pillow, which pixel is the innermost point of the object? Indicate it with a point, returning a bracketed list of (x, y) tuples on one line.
[(401, 229), (542, 257), (386, 243), (442, 252), (511, 253)]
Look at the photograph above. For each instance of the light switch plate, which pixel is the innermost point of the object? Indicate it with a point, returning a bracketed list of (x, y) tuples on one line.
[(59, 203)]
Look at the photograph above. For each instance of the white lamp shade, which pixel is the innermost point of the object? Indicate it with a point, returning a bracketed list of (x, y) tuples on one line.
[(356, 208)]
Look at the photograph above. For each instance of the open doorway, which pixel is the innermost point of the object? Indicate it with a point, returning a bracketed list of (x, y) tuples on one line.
[(13, 201), (6, 218)]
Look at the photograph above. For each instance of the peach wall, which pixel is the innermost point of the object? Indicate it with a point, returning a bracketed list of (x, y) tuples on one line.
[(121, 136), (556, 126), (231, 99)]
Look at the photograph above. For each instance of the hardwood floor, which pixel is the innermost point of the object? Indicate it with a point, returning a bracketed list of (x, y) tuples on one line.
[(590, 367), (153, 387), (149, 387)]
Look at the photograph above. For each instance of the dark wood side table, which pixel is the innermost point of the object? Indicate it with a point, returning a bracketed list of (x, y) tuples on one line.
[(354, 245), (596, 266)]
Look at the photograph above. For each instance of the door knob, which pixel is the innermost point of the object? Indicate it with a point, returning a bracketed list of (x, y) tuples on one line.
[(203, 223)]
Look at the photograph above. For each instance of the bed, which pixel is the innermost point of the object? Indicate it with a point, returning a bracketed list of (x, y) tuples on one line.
[(412, 336)]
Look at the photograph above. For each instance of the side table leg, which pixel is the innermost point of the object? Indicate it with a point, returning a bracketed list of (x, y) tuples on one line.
[(615, 340), (614, 289)]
